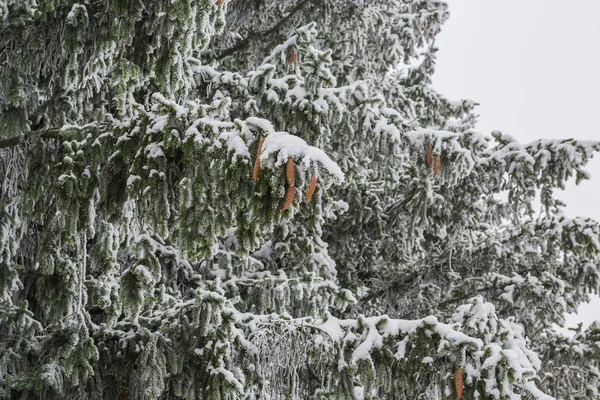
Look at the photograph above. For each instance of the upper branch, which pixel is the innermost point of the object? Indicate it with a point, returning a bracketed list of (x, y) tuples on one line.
[(52, 133), (257, 35)]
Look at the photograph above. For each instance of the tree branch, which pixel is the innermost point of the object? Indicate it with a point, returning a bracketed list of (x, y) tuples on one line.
[(52, 133), (257, 35)]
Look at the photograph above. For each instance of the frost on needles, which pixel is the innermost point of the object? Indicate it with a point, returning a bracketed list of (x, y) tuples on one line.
[(225, 199)]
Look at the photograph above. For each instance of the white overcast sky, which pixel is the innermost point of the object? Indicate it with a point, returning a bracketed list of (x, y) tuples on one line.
[(534, 67)]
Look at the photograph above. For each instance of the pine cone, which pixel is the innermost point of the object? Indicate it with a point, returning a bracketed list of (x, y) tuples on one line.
[(289, 171), (429, 153), (436, 165), (310, 189), (219, 2), (291, 55), (257, 160), (289, 197), (458, 380)]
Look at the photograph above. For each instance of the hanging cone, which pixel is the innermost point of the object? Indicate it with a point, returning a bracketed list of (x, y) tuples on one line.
[(310, 189), (219, 2), (257, 160), (436, 165), (289, 197), (429, 154), (458, 381), (291, 55), (289, 171)]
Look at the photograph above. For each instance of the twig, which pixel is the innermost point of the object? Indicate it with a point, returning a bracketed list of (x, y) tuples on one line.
[(52, 133), (257, 35)]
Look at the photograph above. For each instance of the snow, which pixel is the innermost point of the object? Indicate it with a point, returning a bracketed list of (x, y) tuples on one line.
[(229, 377), (371, 341), (342, 205), (280, 49), (323, 259), (132, 179), (359, 393), (265, 250), (154, 150), (180, 111), (159, 124), (332, 328), (72, 15), (286, 145)]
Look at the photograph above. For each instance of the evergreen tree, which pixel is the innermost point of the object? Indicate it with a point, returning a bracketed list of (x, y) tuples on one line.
[(225, 199)]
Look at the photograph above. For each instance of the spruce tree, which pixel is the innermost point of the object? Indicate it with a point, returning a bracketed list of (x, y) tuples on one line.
[(228, 199)]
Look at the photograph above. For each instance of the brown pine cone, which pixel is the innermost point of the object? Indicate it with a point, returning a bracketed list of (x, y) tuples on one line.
[(289, 171), (310, 189), (289, 197), (436, 165), (458, 380), (429, 154), (257, 160)]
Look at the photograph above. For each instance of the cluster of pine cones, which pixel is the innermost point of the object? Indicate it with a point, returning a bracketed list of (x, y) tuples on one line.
[(289, 173)]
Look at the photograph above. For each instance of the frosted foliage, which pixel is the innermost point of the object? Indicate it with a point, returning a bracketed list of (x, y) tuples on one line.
[(224, 199)]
